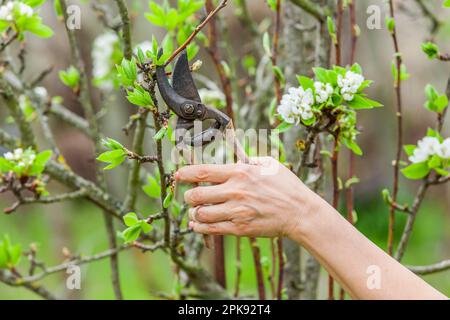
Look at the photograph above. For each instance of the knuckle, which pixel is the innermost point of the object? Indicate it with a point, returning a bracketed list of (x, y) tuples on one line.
[(213, 229), (201, 215), (196, 195), (193, 196), (201, 174), (242, 170)]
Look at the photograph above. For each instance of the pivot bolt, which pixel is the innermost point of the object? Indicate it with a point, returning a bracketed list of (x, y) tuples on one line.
[(189, 108)]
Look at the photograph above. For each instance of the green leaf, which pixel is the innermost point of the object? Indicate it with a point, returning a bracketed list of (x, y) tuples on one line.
[(446, 4), (40, 30), (430, 92), (386, 196), (441, 103), (279, 74), (442, 172), (168, 199), (266, 44), (390, 24), (331, 29), (409, 149), (130, 219), (110, 156), (416, 171), (116, 162), (5, 165), (40, 161), (145, 227), (352, 145), (152, 188), (430, 49), (321, 74), (160, 134), (284, 126), (132, 233), (305, 82), (112, 144), (33, 3), (434, 162), (350, 182), (360, 102), (356, 68), (57, 8), (14, 254), (3, 256), (70, 77)]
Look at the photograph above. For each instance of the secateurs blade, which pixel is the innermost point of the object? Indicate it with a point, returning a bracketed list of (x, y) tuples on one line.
[(183, 99)]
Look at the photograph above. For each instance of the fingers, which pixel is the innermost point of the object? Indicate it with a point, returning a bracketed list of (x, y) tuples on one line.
[(206, 195), (218, 228), (205, 173), (211, 214)]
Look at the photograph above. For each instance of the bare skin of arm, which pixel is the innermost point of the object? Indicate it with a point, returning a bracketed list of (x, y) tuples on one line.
[(267, 200)]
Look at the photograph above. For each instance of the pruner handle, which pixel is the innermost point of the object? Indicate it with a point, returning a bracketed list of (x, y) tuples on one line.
[(220, 122)]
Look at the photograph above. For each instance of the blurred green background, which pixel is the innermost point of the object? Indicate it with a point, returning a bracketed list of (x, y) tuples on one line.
[(79, 226)]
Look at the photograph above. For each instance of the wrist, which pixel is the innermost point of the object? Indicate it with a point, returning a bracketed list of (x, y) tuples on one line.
[(308, 217)]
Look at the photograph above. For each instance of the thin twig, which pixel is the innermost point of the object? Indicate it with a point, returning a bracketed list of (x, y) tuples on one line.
[(126, 28), (221, 5), (429, 269), (398, 94), (85, 100)]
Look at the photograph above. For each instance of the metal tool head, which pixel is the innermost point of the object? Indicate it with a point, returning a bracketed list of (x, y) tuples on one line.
[(183, 99)]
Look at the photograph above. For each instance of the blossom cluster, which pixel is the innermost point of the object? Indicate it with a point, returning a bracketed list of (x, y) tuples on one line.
[(331, 98), (23, 159), (296, 105), (14, 9), (300, 103), (349, 84), (103, 61), (428, 147)]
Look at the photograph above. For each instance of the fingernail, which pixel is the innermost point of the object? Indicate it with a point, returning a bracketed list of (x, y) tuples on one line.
[(191, 225), (177, 175)]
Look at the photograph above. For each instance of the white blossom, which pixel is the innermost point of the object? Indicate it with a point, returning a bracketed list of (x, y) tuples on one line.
[(296, 105), (211, 96), (8, 156), (102, 51), (323, 91), (349, 84), (443, 150), (426, 147), (9, 10), (18, 153), (145, 46), (41, 92)]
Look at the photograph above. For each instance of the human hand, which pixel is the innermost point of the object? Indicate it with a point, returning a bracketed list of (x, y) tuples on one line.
[(247, 200)]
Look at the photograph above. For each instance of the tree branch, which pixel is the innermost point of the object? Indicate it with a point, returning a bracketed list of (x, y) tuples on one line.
[(221, 5), (126, 28), (429, 269), (11, 280), (313, 9)]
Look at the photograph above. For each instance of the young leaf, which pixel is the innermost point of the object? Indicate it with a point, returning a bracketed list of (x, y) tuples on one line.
[(160, 134), (266, 44), (152, 188), (430, 49), (130, 219), (145, 227), (416, 171), (409, 149), (305, 82), (132, 233), (168, 199)]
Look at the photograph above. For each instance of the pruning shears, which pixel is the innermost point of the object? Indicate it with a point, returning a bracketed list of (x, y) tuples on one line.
[(183, 99)]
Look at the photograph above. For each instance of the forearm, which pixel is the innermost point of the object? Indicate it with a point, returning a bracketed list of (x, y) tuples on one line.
[(352, 259)]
